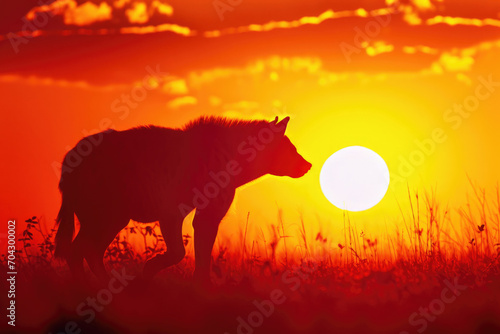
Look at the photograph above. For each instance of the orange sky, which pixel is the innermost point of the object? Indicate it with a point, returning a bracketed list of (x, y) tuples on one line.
[(390, 90)]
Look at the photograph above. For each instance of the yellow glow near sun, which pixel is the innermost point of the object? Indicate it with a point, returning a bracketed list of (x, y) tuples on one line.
[(354, 178)]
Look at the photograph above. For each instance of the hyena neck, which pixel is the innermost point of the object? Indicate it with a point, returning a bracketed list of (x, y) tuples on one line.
[(226, 157), (249, 167), (247, 177)]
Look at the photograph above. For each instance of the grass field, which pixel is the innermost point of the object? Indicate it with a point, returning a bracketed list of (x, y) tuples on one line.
[(438, 273)]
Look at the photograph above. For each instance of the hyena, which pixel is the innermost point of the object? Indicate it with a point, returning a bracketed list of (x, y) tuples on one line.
[(152, 173)]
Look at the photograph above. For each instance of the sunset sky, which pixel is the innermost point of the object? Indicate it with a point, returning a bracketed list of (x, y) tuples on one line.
[(416, 81)]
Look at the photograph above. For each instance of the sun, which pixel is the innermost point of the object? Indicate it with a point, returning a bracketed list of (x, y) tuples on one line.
[(354, 178)]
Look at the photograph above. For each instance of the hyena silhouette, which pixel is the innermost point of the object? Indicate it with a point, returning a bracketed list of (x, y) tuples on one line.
[(160, 174)]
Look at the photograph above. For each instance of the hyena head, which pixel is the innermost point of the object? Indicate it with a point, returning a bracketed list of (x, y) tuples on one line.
[(280, 157)]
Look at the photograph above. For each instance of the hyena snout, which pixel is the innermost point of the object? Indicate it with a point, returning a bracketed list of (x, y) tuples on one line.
[(294, 166), (288, 162), (301, 168)]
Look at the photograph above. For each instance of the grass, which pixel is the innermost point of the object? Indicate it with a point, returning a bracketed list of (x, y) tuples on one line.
[(346, 280)]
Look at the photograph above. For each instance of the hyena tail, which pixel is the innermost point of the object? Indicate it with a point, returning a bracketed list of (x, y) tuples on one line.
[(66, 222)]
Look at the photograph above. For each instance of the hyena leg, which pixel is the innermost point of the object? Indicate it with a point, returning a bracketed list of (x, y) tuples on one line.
[(204, 238), (75, 257), (106, 230), (171, 230), (206, 225)]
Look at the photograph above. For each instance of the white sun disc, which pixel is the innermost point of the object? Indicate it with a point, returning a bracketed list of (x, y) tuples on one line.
[(354, 178)]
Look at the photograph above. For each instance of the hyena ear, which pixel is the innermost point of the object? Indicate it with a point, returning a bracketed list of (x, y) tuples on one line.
[(280, 127), (283, 123)]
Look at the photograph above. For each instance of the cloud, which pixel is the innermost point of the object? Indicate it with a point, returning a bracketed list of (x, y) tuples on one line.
[(74, 14), (420, 48), (56, 8), (182, 101), (455, 63), (47, 81), (410, 15), (464, 79), (137, 13), (242, 106), (176, 87), (163, 8), (306, 20), (87, 13), (265, 66), (120, 3), (214, 101), (453, 21), (123, 16), (423, 4), (378, 47)]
